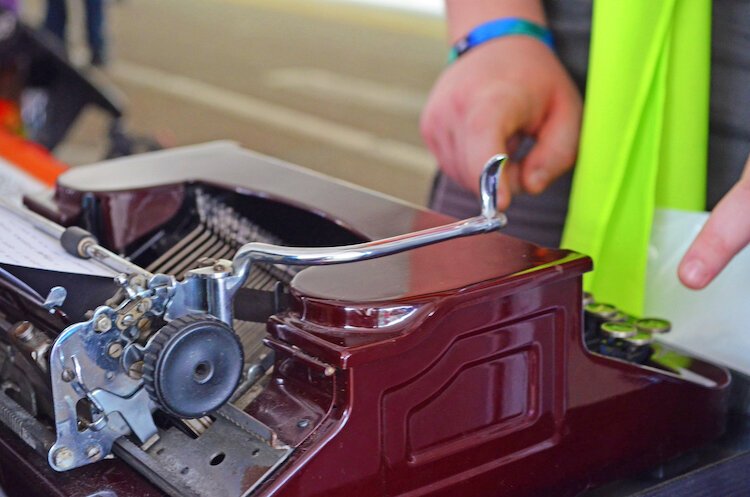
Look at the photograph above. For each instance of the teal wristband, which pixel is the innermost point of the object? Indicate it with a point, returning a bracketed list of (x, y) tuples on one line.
[(507, 26)]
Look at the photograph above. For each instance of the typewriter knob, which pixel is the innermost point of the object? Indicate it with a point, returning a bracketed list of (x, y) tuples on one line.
[(192, 365)]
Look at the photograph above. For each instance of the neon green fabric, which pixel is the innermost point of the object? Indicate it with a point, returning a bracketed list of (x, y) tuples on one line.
[(644, 138)]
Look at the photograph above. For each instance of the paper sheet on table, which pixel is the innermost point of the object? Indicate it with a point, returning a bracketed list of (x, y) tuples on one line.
[(23, 245), (713, 323), (14, 182)]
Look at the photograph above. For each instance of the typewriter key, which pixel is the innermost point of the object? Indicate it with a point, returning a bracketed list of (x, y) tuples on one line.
[(603, 311), (640, 339), (653, 325), (639, 347), (588, 299), (618, 330), (595, 314), (620, 317)]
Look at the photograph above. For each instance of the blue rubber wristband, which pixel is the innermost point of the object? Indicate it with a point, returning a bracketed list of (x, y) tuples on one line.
[(507, 26)]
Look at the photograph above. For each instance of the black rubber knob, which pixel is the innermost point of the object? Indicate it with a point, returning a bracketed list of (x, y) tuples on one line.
[(193, 365), (72, 241)]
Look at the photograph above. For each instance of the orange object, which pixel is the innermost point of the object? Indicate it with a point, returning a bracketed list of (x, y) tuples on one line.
[(10, 117), (30, 158)]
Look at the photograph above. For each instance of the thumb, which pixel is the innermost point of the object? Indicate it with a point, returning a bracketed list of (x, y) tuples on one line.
[(556, 146)]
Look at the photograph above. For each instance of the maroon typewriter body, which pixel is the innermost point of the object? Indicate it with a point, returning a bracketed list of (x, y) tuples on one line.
[(453, 369)]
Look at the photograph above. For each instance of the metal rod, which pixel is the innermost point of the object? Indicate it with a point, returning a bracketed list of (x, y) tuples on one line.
[(489, 220), (91, 249), (39, 222)]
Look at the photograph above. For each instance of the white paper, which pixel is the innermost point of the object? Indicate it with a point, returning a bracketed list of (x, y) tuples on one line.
[(14, 182), (23, 245), (713, 323)]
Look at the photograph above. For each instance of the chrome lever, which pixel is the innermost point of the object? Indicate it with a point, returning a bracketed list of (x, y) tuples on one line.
[(490, 219), (212, 289)]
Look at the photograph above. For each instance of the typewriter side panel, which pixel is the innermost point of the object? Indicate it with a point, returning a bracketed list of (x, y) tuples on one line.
[(472, 385), (486, 391)]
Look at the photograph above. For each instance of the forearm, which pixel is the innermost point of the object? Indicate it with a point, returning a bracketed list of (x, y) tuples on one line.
[(464, 15)]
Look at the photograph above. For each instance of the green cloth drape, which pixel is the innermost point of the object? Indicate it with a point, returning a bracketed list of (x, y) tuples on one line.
[(644, 137)]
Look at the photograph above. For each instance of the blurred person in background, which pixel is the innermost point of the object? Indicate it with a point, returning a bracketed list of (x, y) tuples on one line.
[(9, 5), (12, 71), (57, 17)]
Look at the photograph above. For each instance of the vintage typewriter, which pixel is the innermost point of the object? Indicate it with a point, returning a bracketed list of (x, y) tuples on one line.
[(272, 332)]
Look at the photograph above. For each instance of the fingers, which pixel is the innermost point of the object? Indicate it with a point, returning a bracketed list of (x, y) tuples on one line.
[(726, 232), (439, 136), (556, 147), (477, 108), (486, 131)]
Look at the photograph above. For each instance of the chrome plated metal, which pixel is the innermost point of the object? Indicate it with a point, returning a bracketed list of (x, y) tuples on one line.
[(55, 298), (489, 220), (488, 186), (83, 369), (111, 260)]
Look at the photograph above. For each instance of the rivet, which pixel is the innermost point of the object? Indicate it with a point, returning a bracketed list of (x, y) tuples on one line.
[(103, 323), (68, 375), (63, 458)]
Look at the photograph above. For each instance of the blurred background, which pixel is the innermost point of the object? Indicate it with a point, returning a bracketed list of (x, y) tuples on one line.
[(332, 85)]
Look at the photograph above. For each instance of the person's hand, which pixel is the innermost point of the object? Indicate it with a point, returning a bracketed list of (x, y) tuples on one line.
[(491, 96), (725, 233)]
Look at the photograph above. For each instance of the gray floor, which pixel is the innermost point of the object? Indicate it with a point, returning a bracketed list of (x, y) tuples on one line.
[(336, 88)]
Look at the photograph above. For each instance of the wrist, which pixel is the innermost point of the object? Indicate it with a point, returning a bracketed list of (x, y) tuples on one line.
[(464, 15), (500, 28)]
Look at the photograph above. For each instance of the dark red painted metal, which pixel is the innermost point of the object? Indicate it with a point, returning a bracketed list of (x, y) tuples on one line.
[(484, 389), (456, 369)]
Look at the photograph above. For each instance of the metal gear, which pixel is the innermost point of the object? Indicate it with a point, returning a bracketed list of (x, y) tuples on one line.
[(192, 365)]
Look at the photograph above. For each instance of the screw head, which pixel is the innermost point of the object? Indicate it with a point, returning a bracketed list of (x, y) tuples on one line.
[(219, 268), (68, 375), (103, 323), (143, 325), (128, 320), (303, 423), (115, 350), (63, 458), (136, 370), (144, 306), (121, 279), (93, 452)]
